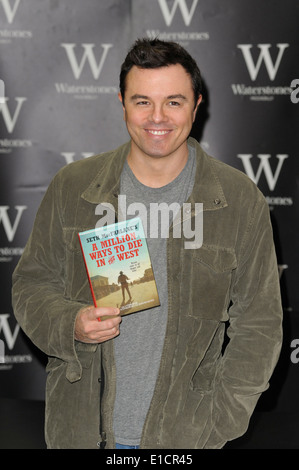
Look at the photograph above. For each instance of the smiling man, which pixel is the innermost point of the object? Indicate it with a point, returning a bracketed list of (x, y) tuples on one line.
[(167, 377), (159, 123)]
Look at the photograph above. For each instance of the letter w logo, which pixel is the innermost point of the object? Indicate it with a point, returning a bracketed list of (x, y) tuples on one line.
[(265, 56), (169, 13), (10, 11), (10, 229), (10, 121), (9, 336), (88, 55), (264, 166)]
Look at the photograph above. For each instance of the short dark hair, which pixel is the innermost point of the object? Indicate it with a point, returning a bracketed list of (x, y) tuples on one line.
[(155, 53)]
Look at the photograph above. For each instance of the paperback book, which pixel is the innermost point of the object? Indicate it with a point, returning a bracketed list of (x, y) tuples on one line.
[(119, 267)]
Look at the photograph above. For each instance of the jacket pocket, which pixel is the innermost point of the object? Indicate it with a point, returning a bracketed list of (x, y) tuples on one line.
[(206, 281), (85, 353), (76, 283)]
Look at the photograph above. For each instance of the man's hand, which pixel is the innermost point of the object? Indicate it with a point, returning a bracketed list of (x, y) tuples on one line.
[(96, 325)]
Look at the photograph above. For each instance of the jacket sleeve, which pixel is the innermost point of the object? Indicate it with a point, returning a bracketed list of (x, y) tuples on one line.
[(255, 331), (40, 306)]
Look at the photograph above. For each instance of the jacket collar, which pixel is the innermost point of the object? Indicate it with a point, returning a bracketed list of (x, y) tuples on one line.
[(105, 187), (207, 187)]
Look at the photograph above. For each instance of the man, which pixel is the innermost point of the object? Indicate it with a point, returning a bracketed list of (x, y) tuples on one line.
[(161, 378), (123, 281)]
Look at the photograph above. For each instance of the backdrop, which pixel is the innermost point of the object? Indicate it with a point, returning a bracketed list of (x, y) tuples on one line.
[(59, 68)]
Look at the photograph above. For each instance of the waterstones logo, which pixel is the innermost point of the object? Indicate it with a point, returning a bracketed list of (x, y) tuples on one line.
[(264, 168), (9, 9), (85, 62), (10, 113), (187, 222), (257, 62), (10, 336), (10, 116), (169, 11), (270, 174), (10, 227)]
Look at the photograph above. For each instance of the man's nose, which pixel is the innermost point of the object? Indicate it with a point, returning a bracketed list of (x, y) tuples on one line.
[(158, 114)]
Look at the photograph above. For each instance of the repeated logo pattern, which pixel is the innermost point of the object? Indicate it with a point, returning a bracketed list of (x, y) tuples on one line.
[(58, 104)]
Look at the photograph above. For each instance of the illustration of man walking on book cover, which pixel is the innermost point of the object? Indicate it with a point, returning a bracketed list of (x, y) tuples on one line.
[(123, 281)]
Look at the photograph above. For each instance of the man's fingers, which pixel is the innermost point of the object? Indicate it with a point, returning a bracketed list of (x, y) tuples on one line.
[(90, 329), (107, 330), (103, 313), (93, 313)]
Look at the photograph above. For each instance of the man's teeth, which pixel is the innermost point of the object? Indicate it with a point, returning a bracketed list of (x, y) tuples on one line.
[(158, 132)]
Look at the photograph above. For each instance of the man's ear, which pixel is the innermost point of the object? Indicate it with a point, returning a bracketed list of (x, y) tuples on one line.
[(196, 107), (120, 98)]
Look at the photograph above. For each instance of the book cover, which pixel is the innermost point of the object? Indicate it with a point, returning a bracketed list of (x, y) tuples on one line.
[(119, 267)]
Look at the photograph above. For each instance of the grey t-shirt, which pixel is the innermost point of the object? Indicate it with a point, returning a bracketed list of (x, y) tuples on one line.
[(139, 346)]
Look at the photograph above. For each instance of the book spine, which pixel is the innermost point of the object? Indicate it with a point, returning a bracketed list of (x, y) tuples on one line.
[(89, 280)]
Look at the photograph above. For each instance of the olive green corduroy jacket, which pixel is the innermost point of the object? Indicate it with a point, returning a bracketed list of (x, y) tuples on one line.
[(204, 395)]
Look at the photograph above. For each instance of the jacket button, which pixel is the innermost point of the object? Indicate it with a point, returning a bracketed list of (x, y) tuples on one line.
[(217, 201)]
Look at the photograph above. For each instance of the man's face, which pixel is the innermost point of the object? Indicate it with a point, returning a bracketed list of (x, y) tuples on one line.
[(159, 110)]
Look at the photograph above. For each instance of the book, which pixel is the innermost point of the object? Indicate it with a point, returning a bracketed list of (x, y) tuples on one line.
[(119, 267)]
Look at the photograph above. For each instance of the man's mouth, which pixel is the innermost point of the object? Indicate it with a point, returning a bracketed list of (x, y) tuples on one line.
[(154, 132)]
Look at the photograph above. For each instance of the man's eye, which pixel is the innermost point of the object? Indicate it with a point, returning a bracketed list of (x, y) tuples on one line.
[(174, 103), (140, 103)]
